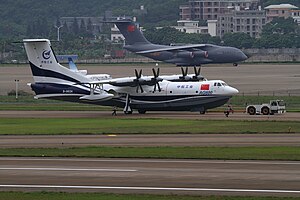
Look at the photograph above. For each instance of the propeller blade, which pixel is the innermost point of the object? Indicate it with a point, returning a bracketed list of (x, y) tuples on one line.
[(159, 89), (186, 71), (154, 73), (136, 73), (142, 90), (182, 71), (154, 88), (197, 71)]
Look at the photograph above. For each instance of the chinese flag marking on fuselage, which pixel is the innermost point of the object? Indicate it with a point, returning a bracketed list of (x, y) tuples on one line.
[(131, 28), (205, 87)]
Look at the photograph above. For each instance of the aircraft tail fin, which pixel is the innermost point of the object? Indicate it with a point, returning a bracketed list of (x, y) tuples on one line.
[(72, 65), (131, 32), (44, 65)]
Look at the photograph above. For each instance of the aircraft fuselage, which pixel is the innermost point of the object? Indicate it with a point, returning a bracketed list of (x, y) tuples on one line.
[(212, 54)]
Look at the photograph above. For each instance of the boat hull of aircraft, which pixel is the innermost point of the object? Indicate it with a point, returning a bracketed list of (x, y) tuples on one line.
[(184, 103)]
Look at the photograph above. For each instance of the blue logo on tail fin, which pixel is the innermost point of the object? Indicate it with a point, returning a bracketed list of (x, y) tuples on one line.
[(46, 54)]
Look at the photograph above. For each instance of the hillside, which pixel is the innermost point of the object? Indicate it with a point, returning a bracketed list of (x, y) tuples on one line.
[(16, 15)]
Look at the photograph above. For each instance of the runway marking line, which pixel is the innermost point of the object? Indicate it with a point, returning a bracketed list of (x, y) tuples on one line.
[(67, 169), (112, 135), (149, 188)]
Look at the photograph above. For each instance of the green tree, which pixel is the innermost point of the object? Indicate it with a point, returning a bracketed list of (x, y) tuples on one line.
[(239, 40)]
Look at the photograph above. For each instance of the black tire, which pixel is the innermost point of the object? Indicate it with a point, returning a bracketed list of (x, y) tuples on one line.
[(142, 111), (251, 110), (265, 111), (202, 112), (128, 112)]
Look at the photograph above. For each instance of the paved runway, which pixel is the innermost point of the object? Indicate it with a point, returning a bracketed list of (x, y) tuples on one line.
[(201, 140), (249, 78), (167, 115), (151, 176)]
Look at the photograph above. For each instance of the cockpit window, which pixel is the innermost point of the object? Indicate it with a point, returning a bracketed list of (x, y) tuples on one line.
[(219, 84), (224, 84)]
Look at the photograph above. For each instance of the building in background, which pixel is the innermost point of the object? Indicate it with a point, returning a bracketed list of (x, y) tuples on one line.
[(242, 21), (116, 35), (211, 9), (296, 16), (281, 10), (93, 24), (192, 26)]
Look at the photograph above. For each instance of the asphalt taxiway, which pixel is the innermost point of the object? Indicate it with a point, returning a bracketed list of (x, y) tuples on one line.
[(274, 178)]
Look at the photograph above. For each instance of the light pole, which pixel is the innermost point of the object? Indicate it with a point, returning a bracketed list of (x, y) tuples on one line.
[(17, 87), (58, 28)]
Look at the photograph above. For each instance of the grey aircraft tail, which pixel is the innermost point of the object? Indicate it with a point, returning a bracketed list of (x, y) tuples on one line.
[(131, 32)]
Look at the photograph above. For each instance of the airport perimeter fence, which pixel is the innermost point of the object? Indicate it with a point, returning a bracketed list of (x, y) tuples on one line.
[(284, 93)]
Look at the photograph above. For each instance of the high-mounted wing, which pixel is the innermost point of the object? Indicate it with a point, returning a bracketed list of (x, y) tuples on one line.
[(176, 48), (138, 81)]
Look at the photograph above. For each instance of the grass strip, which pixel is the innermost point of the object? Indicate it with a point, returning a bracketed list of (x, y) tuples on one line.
[(53, 126), (224, 153), (105, 196)]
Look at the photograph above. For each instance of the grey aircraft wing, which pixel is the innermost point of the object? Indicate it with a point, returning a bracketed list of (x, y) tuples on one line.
[(175, 48)]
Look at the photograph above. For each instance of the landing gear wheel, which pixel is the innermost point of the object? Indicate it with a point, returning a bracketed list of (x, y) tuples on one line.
[(265, 110), (142, 111), (202, 112), (251, 111), (128, 112)]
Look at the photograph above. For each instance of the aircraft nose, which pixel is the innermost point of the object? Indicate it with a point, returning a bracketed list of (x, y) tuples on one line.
[(244, 56), (232, 91)]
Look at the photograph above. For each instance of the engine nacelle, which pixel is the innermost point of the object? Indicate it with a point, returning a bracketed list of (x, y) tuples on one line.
[(202, 54), (185, 54), (192, 54)]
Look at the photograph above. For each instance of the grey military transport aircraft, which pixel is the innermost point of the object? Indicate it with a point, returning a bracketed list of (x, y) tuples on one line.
[(187, 92), (187, 55)]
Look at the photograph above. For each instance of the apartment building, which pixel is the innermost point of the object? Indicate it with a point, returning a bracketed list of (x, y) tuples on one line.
[(210, 9), (281, 10), (242, 21)]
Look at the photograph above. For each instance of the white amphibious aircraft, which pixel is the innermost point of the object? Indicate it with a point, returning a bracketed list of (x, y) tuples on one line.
[(186, 92)]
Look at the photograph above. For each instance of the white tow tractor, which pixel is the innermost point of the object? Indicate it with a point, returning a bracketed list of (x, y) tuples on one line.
[(275, 106)]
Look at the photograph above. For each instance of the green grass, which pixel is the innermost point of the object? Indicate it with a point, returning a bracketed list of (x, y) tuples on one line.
[(104, 196), (223, 153), (56, 126), (31, 104)]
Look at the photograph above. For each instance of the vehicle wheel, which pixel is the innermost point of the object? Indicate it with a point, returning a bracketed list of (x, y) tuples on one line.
[(265, 110), (142, 111), (251, 111), (128, 112)]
